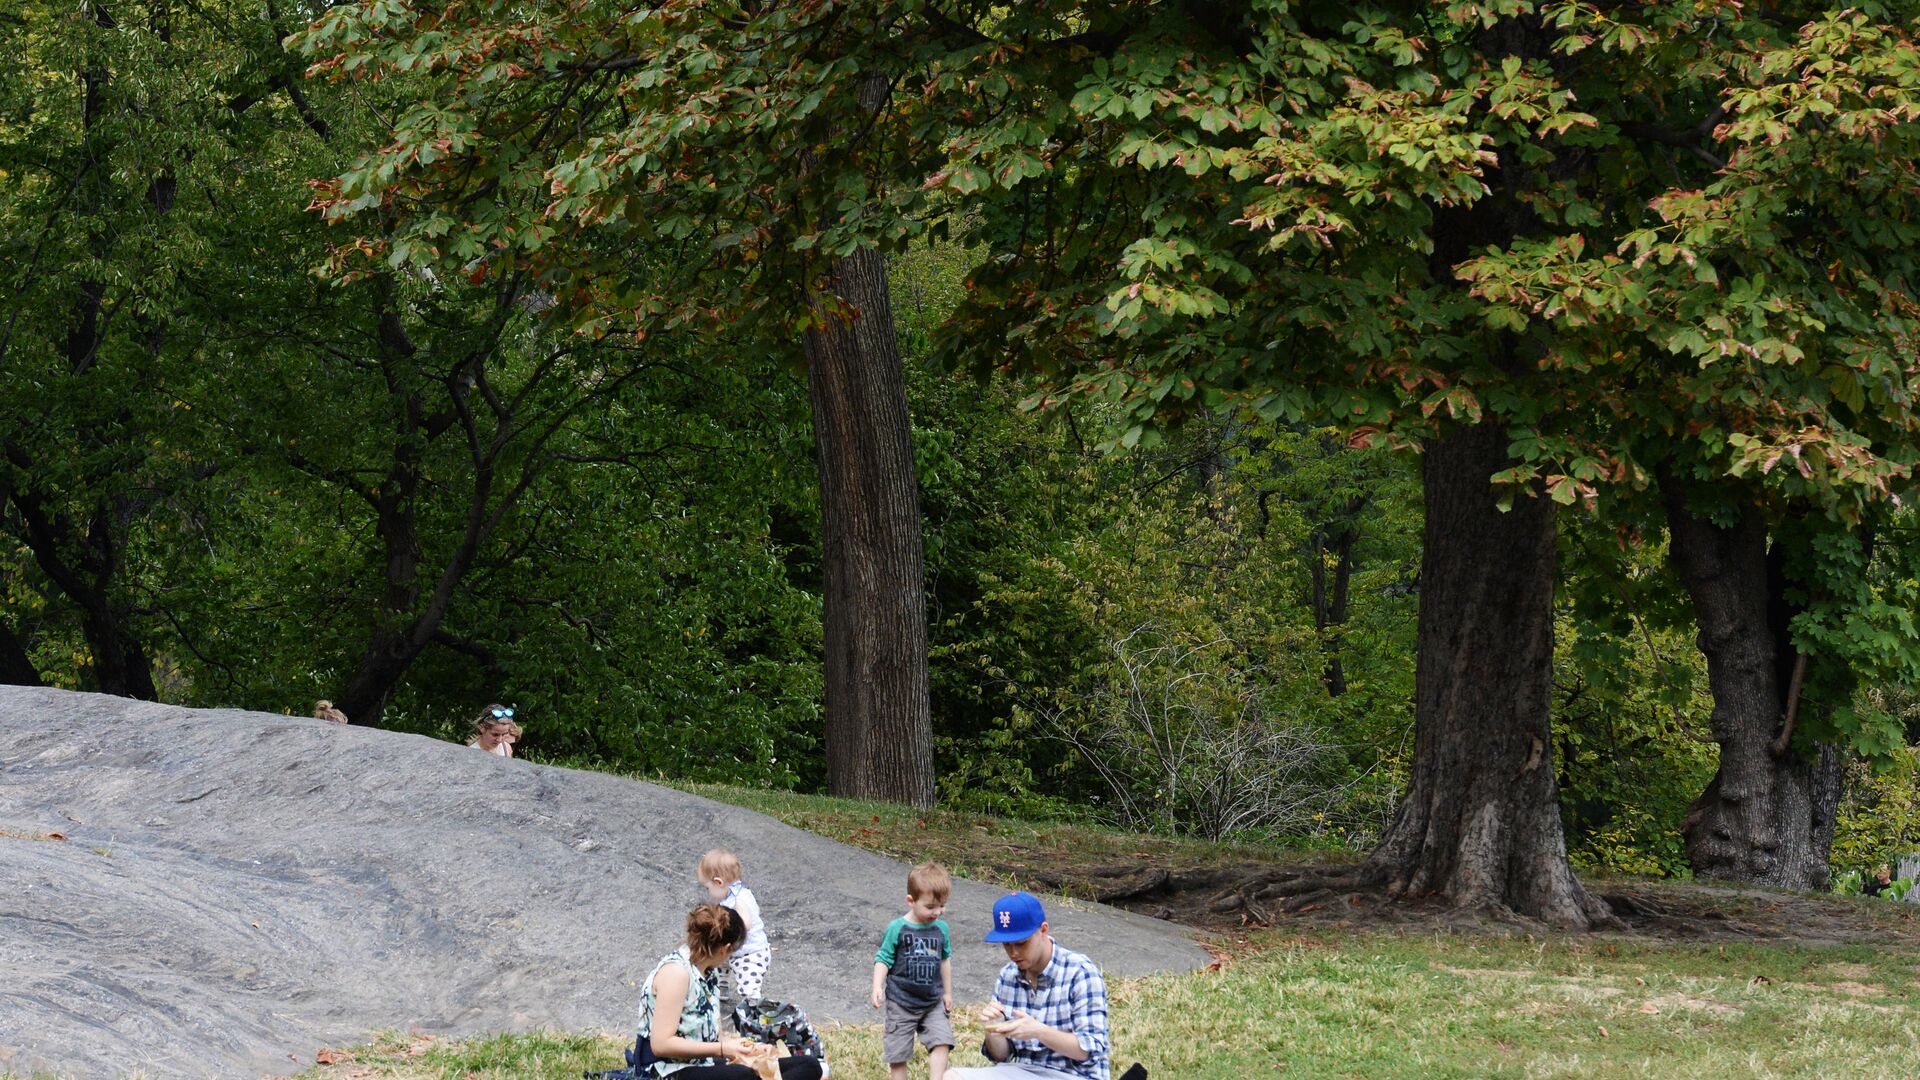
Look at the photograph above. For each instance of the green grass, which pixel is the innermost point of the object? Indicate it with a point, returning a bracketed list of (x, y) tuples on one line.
[(1005, 850), (1383, 1006), (1378, 1005)]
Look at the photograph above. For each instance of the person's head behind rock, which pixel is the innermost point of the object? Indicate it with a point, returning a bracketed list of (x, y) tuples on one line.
[(494, 726)]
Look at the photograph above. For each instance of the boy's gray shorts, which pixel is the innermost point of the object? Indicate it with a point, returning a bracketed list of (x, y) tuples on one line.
[(932, 1026)]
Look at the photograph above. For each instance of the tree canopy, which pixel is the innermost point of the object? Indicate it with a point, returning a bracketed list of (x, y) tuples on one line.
[(455, 347)]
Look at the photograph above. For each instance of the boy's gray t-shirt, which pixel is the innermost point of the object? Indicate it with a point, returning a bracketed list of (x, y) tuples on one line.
[(912, 953)]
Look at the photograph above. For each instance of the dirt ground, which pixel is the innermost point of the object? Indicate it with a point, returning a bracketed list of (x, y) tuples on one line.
[(1225, 899)]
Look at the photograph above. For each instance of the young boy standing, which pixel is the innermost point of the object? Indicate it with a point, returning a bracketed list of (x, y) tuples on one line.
[(913, 972)]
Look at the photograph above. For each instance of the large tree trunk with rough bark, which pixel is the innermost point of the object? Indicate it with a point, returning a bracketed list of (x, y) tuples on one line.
[(1767, 816), (1480, 825), (879, 729)]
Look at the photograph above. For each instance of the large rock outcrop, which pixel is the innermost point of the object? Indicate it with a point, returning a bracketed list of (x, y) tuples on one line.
[(232, 890)]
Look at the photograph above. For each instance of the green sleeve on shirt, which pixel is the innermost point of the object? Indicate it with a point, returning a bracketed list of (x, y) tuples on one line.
[(888, 942), (946, 939)]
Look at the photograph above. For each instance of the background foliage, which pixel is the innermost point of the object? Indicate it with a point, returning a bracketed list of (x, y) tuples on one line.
[(200, 428)]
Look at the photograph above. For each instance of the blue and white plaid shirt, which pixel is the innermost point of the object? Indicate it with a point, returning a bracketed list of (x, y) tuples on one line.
[(1069, 995)]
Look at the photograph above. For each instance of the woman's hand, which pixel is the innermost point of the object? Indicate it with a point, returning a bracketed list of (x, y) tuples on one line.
[(733, 1046)]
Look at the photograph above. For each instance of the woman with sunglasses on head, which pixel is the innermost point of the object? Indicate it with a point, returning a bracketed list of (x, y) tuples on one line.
[(494, 731)]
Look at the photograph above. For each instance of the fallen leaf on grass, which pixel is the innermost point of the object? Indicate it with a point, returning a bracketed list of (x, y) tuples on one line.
[(1604, 1033), (1650, 1009), (1759, 980), (332, 1057), (422, 1042)]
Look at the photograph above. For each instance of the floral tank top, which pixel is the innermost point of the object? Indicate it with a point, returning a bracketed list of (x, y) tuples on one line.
[(699, 1014)]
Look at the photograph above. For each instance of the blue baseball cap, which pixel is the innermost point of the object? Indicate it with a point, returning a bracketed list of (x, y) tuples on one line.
[(1016, 917)]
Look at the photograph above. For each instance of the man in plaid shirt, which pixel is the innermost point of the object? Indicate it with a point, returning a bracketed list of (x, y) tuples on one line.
[(1048, 1017)]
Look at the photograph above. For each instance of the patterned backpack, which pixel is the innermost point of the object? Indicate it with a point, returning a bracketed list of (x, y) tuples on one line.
[(781, 1023)]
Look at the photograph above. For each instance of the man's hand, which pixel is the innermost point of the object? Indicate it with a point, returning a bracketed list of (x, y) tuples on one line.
[(993, 1013), (1020, 1026)]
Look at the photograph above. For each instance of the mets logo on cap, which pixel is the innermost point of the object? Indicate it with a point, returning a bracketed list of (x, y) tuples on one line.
[(1016, 917)]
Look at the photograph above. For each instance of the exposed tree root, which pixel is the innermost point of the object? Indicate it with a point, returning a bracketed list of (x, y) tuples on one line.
[(1235, 898), (1360, 896), (1647, 913), (1222, 896)]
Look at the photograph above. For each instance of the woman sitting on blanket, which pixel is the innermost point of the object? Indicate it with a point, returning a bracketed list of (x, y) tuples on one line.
[(680, 1008)]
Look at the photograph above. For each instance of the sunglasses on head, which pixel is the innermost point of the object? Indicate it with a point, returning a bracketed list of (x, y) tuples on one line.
[(501, 714)]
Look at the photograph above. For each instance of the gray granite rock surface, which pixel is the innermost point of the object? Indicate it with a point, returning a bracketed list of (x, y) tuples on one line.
[(235, 890)]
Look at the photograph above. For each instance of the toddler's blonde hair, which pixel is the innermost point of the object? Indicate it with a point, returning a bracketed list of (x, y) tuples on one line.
[(720, 863)]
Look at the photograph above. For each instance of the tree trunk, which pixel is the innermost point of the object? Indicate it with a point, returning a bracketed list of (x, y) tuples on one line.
[(879, 729), (1763, 820), (16, 667), (82, 556), (84, 563), (120, 664), (375, 677), (1330, 612), (1480, 826), (498, 428)]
